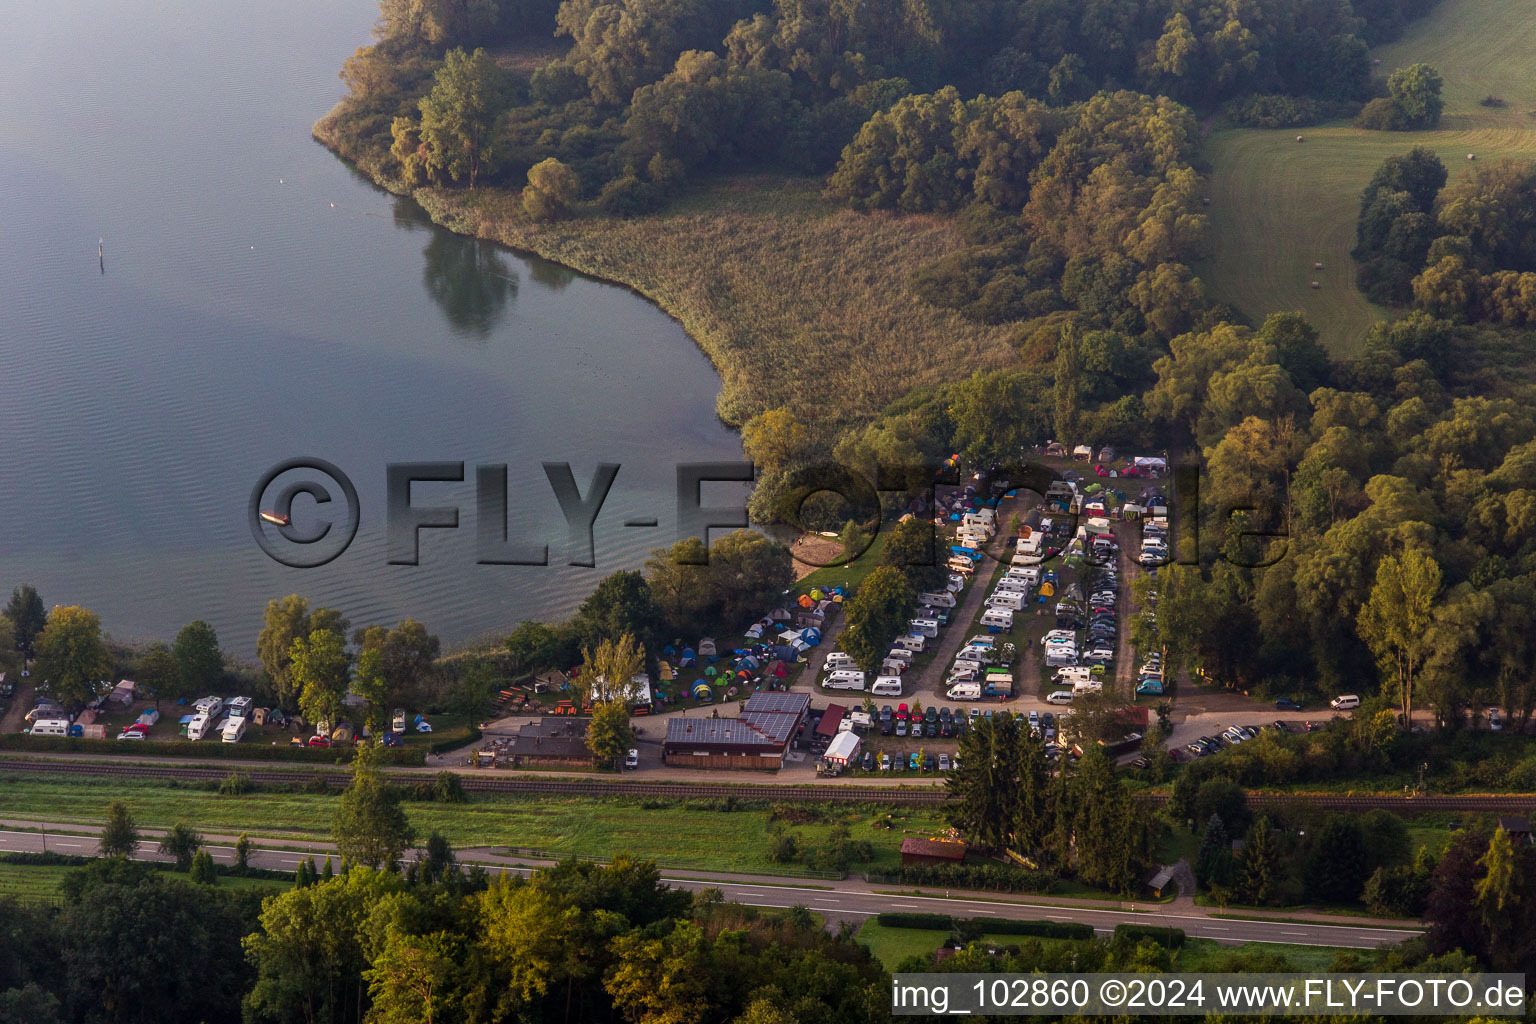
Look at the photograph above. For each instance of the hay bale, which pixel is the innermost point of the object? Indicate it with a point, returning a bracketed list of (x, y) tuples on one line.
[(1471, 156), (1301, 138)]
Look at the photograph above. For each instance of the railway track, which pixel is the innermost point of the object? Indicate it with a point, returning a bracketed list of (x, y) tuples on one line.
[(482, 784), (1514, 803)]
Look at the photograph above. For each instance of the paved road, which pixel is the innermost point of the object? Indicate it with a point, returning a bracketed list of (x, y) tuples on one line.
[(930, 682), (850, 899)]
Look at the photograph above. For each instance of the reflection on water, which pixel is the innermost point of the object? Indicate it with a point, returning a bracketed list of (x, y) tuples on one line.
[(469, 279), (551, 275)]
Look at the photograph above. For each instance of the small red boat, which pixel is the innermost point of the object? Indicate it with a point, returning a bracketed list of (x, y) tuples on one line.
[(276, 519)]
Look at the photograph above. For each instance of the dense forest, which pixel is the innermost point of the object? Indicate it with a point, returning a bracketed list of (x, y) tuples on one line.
[(635, 96)]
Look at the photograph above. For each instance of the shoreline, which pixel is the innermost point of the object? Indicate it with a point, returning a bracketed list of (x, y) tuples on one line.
[(795, 300)]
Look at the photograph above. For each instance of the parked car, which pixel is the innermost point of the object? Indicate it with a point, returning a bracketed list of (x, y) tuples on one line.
[(943, 762), (632, 759), (1286, 704), (869, 760), (885, 762), (319, 741), (914, 763)]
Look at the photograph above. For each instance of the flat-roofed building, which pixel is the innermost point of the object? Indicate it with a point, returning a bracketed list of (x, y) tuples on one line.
[(756, 739)]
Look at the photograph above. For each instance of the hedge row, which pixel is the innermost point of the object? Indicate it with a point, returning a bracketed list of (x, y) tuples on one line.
[(1039, 929), (405, 756), (51, 859), (1170, 937), (990, 877), (932, 922), (988, 925)]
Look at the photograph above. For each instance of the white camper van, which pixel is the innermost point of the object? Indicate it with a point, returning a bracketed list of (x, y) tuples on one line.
[(199, 726), (210, 706), (964, 691), (234, 729), (998, 618), (1074, 674), (837, 659), (844, 679), (887, 686)]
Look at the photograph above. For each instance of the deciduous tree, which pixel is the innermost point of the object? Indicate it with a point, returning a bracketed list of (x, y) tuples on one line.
[(72, 655)]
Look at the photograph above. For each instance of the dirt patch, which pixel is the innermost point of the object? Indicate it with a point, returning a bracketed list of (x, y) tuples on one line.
[(812, 551)]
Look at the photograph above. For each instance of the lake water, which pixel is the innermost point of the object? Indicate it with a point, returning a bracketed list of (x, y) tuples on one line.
[(259, 301)]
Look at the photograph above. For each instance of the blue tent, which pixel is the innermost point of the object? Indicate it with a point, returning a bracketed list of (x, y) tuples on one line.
[(688, 657), (786, 654), (811, 635)]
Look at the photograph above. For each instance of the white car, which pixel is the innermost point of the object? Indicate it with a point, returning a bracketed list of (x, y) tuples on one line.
[(632, 759), (1059, 697)]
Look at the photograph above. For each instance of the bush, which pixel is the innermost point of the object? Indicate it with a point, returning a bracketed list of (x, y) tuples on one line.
[(1493, 101), (1275, 112), (628, 196), (1168, 937), (783, 848), (236, 784), (988, 877), (552, 188), (1381, 115), (1040, 929)]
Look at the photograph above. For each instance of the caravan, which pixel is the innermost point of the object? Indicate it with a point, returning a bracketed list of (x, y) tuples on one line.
[(887, 686), (997, 618), (1009, 599), (50, 727), (911, 642), (844, 679), (937, 600), (925, 627), (1007, 585)]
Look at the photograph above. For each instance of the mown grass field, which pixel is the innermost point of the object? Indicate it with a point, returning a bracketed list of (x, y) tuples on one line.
[(1279, 206), (796, 300), (675, 834)]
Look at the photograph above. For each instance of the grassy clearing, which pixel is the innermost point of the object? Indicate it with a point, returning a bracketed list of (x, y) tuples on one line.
[(29, 882), (676, 835), (893, 945), (1279, 206), (796, 300), (1207, 955)]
